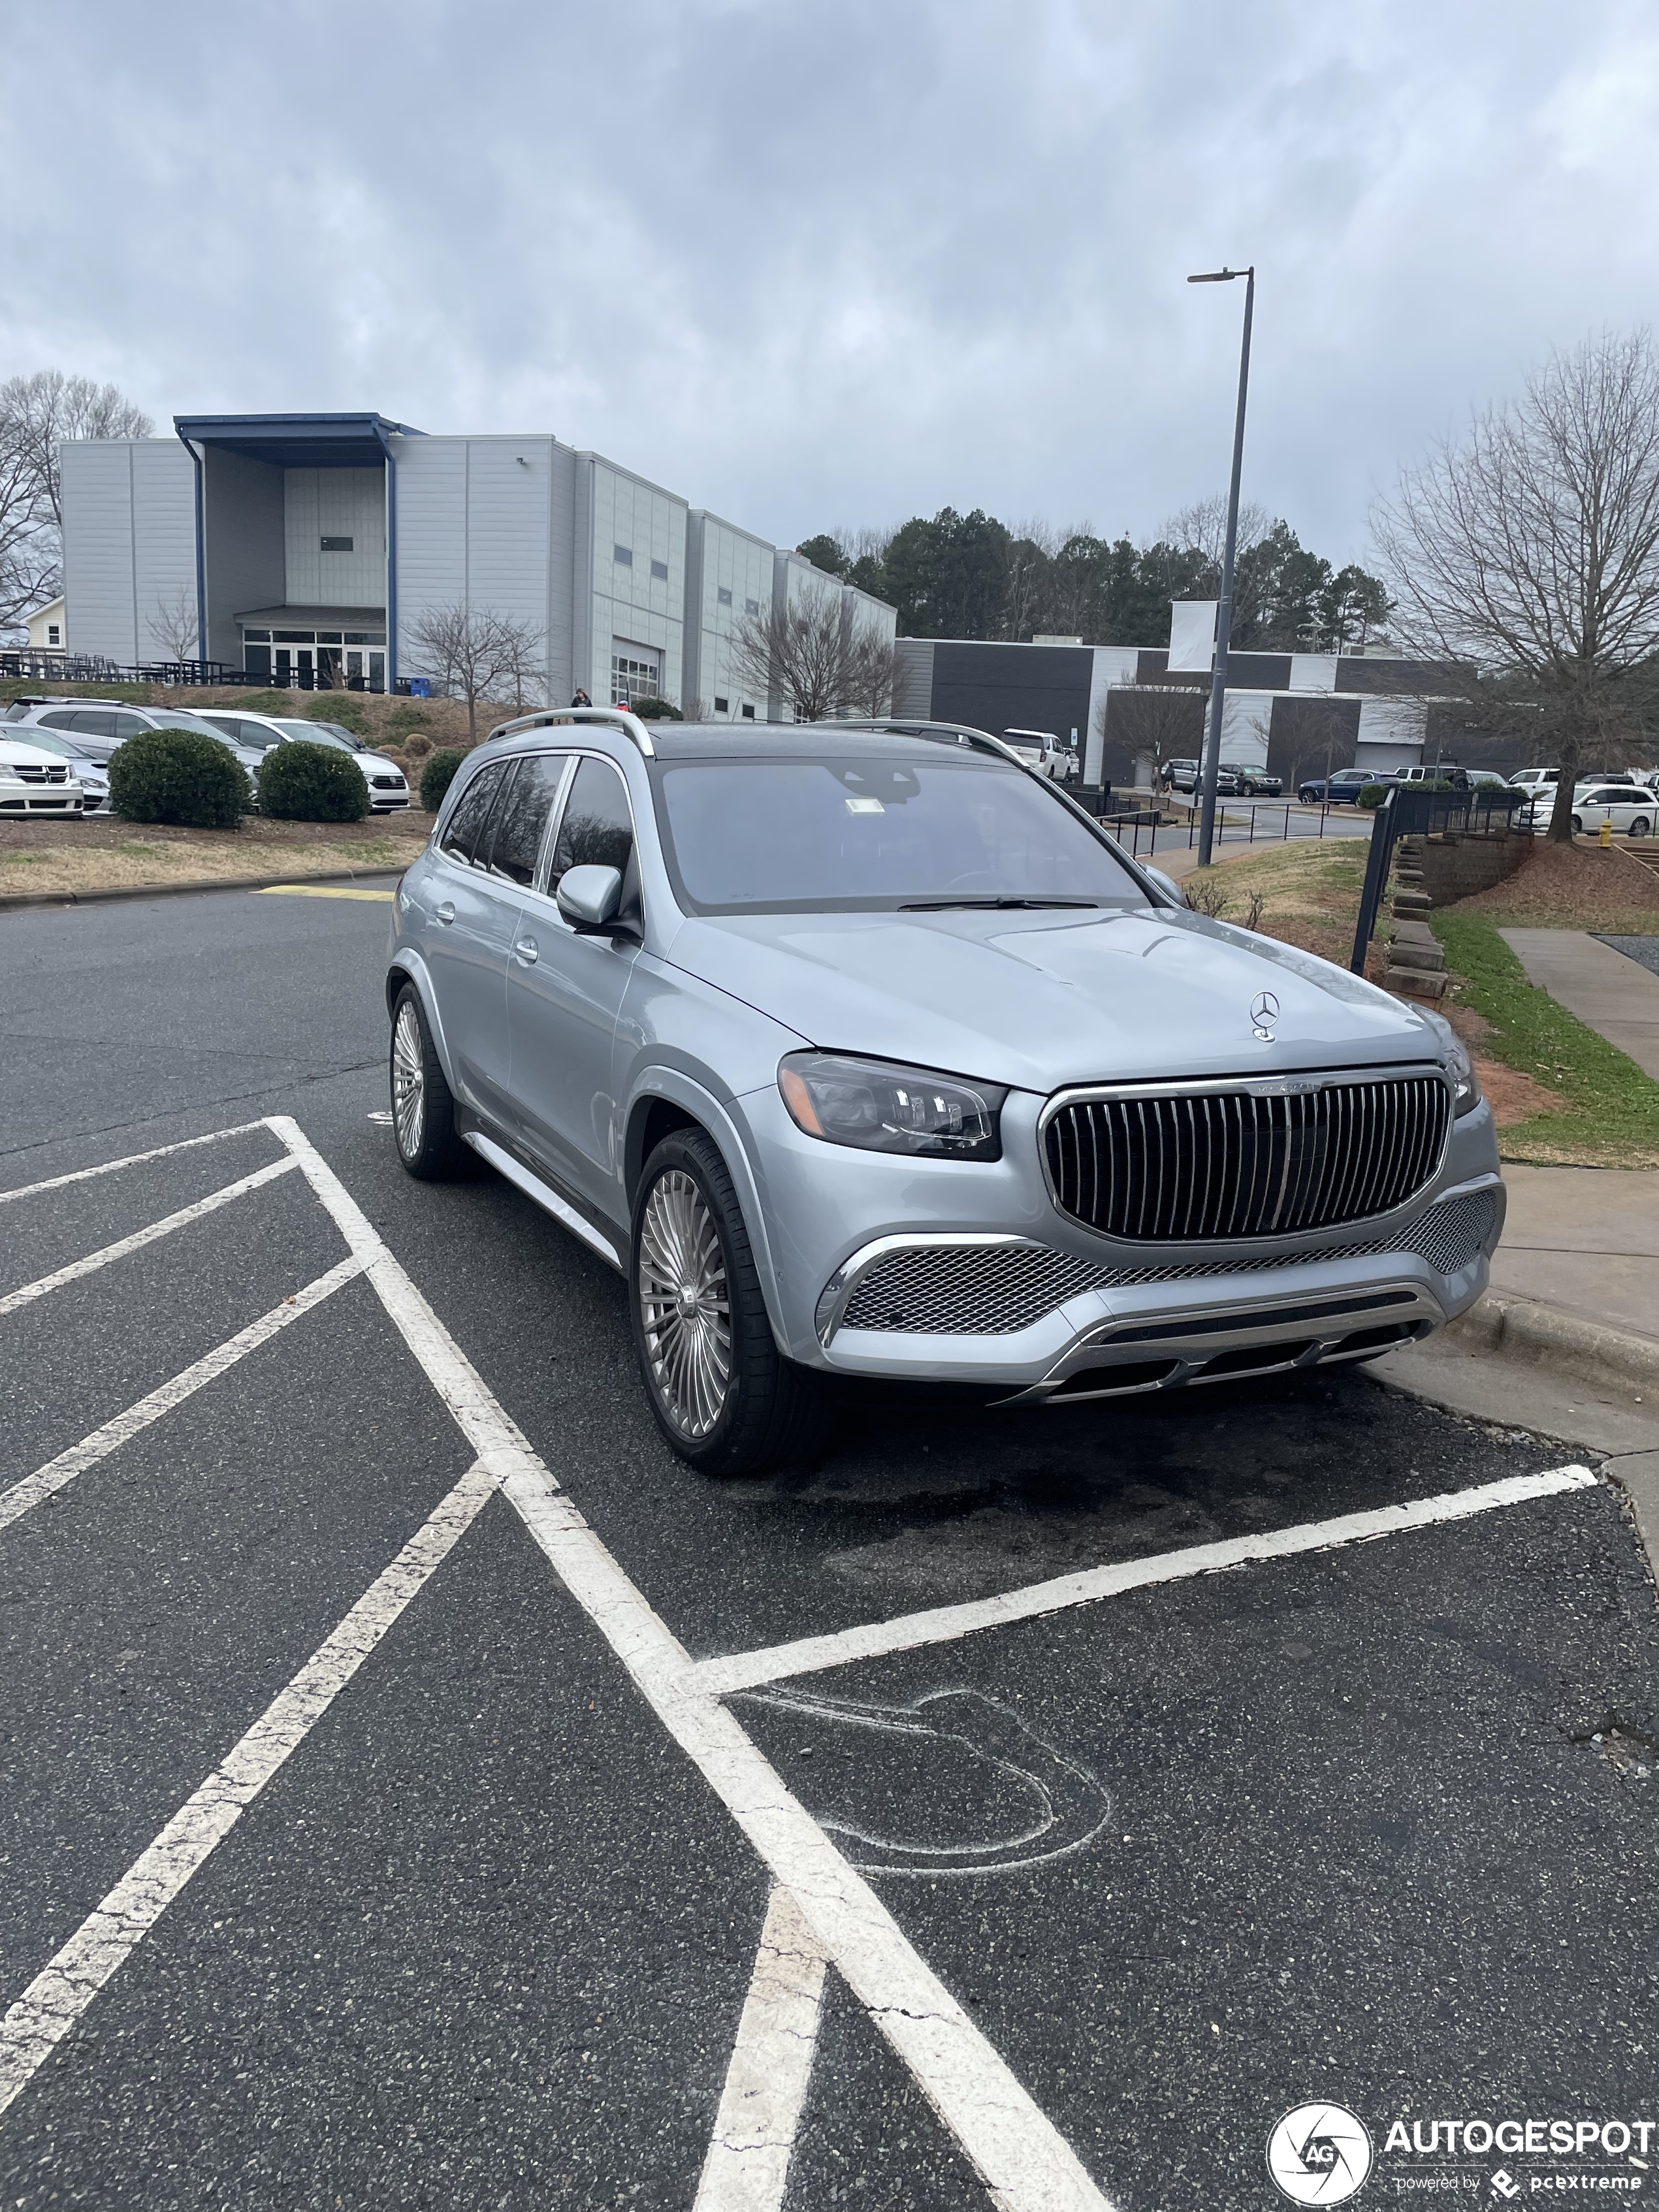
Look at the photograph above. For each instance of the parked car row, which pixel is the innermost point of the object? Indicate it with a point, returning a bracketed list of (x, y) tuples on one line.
[(84, 734), (1234, 779), (1631, 808)]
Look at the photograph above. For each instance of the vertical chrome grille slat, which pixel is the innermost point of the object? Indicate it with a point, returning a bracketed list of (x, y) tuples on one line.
[(1215, 1165)]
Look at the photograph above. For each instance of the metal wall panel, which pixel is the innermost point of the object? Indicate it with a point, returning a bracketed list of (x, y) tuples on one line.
[(163, 537), (244, 545), (913, 687), (98, 612), (1013, 687), (334, 503)]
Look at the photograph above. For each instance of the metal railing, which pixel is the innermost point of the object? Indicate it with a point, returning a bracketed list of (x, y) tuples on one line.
[(1277, 822)]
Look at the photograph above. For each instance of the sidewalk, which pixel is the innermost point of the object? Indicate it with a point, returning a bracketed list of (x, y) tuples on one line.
[(1616, 997)]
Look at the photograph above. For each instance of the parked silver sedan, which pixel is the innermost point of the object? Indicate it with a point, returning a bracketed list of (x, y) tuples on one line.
[(862, 1050)]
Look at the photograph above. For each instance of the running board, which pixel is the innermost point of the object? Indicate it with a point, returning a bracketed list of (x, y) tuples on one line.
[(545, 1196)]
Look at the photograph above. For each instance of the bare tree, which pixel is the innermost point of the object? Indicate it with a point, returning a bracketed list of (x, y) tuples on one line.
[(1527, 552), (49, 408), (36, 414), (1202, 527), (174, 622), (477, 653), (1156, 721), (813, 655)]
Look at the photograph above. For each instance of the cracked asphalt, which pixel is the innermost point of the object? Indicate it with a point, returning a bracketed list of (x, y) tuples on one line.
[(484, 1939)]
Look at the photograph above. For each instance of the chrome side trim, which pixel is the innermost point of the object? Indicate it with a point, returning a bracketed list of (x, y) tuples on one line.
[(545, 1196)]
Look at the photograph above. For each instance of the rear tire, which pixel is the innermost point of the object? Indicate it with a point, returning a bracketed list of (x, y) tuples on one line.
[(1578, 827), (1641, 827), (422, 1109), (725, 1399)]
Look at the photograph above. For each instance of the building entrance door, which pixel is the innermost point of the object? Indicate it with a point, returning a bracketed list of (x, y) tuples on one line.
[(364, 670), (295, 667)]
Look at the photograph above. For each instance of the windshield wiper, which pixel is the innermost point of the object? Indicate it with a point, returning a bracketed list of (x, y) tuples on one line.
[(987, 905)]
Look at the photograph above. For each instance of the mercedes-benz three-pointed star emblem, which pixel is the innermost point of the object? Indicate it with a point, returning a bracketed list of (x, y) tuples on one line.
[(1264, 1012)]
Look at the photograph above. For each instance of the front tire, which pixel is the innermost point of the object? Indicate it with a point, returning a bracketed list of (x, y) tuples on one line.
[(723, 1396), (1641, 827), (422, 1109)]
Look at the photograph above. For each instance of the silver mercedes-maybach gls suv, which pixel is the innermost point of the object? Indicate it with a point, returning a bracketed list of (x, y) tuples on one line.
[(860, 1049)]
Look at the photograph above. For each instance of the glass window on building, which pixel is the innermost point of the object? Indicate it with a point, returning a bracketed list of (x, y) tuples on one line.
[(636, 672)]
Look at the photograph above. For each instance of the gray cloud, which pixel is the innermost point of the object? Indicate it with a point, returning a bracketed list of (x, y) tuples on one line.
[(822, 263)]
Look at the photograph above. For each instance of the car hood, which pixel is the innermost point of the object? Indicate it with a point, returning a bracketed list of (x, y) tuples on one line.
[(1042, 999)]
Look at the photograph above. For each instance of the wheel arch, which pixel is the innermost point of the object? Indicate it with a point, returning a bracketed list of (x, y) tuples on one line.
[(408, 967), (668, 1099)]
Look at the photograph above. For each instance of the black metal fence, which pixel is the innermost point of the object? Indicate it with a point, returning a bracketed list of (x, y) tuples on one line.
[(1147, 829), (50, 668)]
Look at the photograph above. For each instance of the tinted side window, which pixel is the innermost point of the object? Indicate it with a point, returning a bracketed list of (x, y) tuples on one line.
[(129, 726), (598, 829), (469, 826), (523, 817), (60, 718)]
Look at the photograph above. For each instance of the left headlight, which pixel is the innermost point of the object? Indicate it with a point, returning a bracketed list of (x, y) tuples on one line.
[(1466, 1083), (880, 1106)]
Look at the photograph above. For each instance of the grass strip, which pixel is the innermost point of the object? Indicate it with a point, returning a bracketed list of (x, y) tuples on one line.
[(1613, 1116)]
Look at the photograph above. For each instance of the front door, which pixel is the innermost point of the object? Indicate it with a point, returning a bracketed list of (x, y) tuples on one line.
[(564, 995)]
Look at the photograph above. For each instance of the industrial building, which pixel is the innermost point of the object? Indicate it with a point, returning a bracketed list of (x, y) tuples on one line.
[(1297, 714), (311, 548)]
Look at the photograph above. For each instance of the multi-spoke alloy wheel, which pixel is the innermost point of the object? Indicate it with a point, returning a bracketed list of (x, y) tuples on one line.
[(685, 1308), (723, 1394), (408, 1081), (423, 1111)]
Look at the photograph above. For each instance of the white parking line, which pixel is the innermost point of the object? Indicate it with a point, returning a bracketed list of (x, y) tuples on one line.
[(748, 2164), (140, 1237), (1024, 2161), (16, 1501), (944, 1624), (61, 1992), (131, 1160)]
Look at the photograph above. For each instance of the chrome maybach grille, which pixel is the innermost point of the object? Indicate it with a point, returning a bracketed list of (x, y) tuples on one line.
[(1245, 1160), (981, 1290)]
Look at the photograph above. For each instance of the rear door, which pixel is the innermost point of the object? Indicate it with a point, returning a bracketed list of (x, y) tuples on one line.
[(466, 944)]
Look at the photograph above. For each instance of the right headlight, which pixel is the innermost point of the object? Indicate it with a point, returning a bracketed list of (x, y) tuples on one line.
[(881, 1106), (1466, 1083)]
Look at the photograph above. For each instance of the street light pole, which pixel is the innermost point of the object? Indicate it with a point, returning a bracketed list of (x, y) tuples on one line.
[(1224, 613)]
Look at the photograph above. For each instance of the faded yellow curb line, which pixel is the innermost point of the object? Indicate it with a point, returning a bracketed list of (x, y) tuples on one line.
[(318, 891), (18, 901)]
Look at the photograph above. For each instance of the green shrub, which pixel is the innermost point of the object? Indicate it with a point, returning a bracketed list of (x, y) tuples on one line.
[(1372, 795), (657, 710), (439, 773), (402, 720), (299, 782), (182, 776), (345, 707), (259, 703)]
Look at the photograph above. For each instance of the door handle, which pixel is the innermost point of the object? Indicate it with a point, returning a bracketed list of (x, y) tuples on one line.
[(526, 948), (446, 913)]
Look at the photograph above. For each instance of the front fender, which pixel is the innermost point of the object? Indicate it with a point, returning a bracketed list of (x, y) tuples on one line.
[(681, 1089)]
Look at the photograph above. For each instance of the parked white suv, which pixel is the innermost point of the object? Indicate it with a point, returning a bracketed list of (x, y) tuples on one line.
[(114, 720), (1039, 749), (387, 785)]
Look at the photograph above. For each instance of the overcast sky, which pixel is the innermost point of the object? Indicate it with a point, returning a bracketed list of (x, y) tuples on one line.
[(842, 261)]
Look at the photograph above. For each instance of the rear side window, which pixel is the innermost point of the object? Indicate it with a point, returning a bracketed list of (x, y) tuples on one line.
[(524, 816), (467, 837), (130, 726), (598, 829), (60, 718)]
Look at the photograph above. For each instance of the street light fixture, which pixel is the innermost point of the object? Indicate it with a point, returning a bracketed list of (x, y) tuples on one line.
[(1224, 613)]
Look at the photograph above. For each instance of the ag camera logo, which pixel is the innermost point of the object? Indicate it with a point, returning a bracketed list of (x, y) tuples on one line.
[(1319, 2154)]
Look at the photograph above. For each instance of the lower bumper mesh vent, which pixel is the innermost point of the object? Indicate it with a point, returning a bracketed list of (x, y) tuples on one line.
[(996, 1290)]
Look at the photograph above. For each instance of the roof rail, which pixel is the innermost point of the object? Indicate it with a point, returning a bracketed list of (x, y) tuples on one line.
[(898, 726), (609, 718)]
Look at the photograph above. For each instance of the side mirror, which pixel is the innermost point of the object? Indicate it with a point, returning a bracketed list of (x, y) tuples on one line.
[(588, 898), (1165, 884)]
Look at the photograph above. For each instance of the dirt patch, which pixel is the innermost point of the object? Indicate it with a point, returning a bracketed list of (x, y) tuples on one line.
[(1574, 887), (1513, 1097), (109, 854)]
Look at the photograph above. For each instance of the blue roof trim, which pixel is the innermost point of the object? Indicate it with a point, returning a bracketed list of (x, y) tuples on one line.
[(297, 441)]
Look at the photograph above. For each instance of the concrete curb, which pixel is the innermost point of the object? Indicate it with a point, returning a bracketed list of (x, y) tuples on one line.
[(1525, 1329), (20, 900)]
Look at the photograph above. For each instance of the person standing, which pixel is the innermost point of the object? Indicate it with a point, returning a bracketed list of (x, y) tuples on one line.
[(582, 698)]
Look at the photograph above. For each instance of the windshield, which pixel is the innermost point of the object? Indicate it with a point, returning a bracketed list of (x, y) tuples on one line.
[(849, 835), (324, 733)]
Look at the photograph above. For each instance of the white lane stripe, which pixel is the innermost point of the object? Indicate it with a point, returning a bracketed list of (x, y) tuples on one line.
[(748, 2164), (1024, 2161), (16, 1501), (61, 1992), (131, 1160), (140, 1237), (750, 1670)]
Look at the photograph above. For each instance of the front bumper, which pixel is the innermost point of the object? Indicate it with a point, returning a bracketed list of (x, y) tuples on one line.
[(968, 1272)]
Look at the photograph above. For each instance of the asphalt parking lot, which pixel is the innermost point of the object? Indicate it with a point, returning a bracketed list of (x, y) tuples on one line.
[(420, 1788)]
